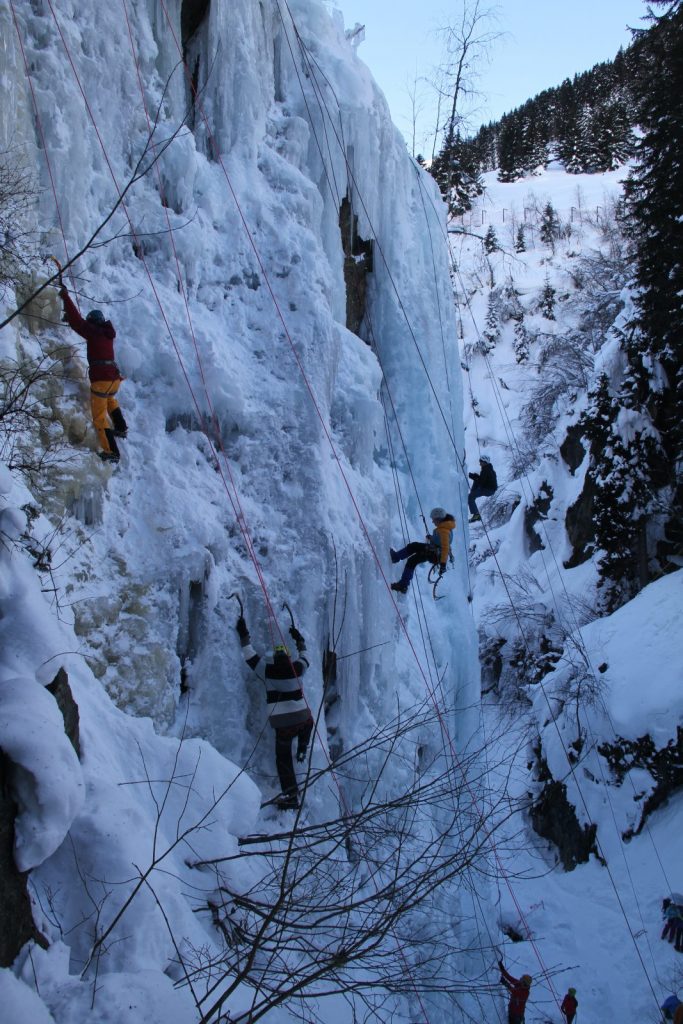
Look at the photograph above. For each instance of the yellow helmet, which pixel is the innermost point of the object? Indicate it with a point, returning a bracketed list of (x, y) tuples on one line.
[(526, 979)]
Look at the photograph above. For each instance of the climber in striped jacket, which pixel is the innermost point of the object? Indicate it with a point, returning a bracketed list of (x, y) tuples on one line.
[(288, 712)]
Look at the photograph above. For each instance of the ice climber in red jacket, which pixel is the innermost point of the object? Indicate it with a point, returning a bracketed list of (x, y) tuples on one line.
[(570, 1005), (519, 993), (104, 375)]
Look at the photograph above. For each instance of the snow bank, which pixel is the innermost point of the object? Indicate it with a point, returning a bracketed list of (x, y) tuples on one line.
[(47, 784)]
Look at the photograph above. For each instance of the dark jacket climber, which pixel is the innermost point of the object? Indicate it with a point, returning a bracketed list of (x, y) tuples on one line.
[(436, 549), (673, 922), (670, 1005), (569, 1005), (103, 372), (519, 993), (484, 484), (288, 712)]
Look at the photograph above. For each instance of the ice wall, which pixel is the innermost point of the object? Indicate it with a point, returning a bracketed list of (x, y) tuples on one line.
[(237, 317), (223, 273)]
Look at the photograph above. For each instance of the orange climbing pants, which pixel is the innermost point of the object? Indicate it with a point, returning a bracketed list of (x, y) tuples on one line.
[(102, 402)]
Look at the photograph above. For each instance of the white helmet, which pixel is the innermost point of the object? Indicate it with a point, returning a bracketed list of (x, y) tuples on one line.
[(438, 513), (485, 458)]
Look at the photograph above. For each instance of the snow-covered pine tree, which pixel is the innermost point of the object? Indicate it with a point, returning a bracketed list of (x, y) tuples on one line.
[(622, 446), (520, 244), (491, 240), (521, 341), (491, 332), (549, 231), (456, 171), (654, 199), (547, 300)]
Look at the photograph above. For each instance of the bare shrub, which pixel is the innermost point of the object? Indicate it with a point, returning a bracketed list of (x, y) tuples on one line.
[(19, 240)]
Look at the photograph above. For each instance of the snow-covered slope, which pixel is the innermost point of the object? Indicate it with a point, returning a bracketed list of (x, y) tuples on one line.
[(590, 704), (257, 462)]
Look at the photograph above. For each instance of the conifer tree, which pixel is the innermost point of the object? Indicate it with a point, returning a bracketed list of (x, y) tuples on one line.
[(491, 240), (521, 341), (491, 332), (550, 226), (520, 244), (547, 302), (654, 201)]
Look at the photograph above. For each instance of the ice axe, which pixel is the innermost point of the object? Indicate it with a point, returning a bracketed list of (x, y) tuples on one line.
[(293, 631), (57, 264), (239, 601)]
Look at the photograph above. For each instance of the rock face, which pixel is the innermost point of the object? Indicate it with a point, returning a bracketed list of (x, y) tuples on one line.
[(579, 525), (16, 917), (61, 691), (553, 817), (572, 449), (664, 765), (358, 263)]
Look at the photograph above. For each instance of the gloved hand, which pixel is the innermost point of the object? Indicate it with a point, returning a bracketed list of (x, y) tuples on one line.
[(62, 289), (442, 569), (298, 639), (301, 755), (472, 476), (500, 964), (242, 630)]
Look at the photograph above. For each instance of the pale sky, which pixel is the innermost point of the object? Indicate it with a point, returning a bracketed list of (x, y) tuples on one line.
[(542, 43)]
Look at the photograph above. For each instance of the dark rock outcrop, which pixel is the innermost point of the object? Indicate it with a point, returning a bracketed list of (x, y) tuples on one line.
[(572, 450), (579, 525), (358, 264), (553, 817), (533, 513), (61, 691), (16, 918), (663, 764)]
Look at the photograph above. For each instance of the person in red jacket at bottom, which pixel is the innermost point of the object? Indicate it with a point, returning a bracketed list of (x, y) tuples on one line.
[(569, 1005), (519, 993), (103, 372)]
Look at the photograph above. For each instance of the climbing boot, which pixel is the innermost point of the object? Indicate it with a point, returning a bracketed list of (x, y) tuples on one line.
[(400, 588), (394, 556), (120, 425), (109, 457), (287, 802), (475, 518), (113, 447)]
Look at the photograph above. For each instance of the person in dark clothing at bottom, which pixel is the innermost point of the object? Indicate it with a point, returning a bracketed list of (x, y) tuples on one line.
[(484, 484), (288, 712), (519, 993), (570, 1005)]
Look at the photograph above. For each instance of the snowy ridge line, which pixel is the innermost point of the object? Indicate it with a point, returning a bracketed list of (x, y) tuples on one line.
[(442, 724), (509, 430)]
